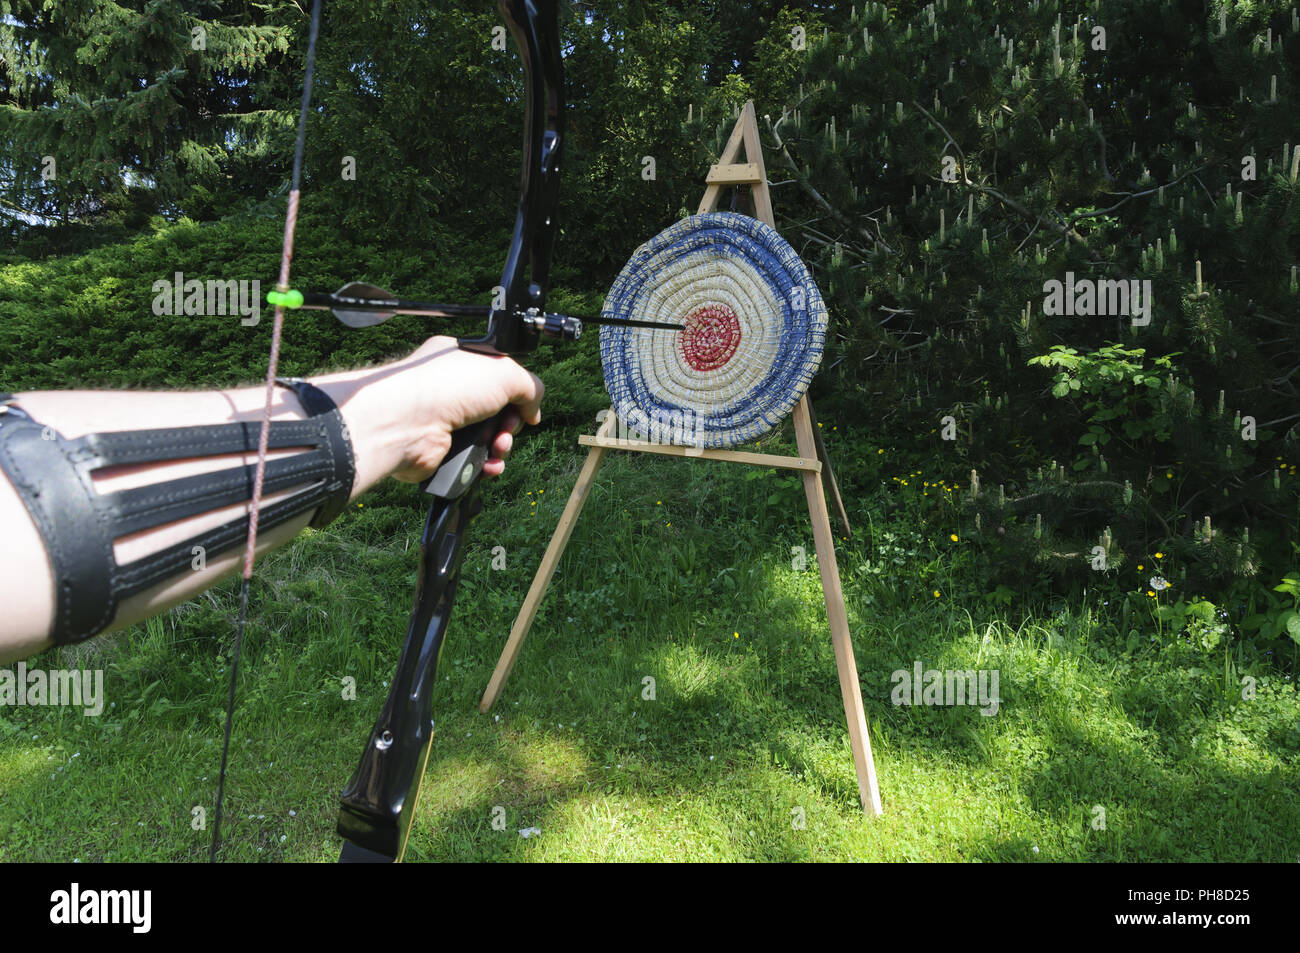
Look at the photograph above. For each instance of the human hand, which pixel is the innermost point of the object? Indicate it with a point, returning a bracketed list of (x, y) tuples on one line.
[(445, 388)]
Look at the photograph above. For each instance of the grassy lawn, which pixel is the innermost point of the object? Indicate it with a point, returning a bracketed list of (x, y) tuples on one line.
[(1102, 748)]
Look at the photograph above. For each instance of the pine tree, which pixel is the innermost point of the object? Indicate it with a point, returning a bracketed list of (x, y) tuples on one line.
[(952, 162), (102, 99)]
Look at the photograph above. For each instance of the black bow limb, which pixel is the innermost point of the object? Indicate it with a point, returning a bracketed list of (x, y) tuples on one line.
[(378, 805)]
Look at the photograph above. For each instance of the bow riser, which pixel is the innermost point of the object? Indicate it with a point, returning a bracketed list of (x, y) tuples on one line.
[(378, 805), (379, 802), (535, 27)]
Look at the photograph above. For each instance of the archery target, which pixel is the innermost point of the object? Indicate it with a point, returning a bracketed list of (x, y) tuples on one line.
[(755, 330)]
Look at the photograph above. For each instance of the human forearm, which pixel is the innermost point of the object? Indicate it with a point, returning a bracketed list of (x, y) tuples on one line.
[(399, 418)]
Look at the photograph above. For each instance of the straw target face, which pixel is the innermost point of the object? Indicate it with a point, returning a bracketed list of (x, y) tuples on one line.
[(755, 328)]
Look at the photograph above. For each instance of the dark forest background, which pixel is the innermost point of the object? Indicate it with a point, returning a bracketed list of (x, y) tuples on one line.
[(935, 164)]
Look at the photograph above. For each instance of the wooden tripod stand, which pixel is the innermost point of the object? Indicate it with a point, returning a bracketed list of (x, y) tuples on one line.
[(812, 463)]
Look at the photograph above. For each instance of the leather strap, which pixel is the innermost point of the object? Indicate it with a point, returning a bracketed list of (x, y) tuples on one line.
[(53, 477)]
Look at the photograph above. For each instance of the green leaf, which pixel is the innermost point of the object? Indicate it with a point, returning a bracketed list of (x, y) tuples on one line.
[(1288, 584), (1061, 389)]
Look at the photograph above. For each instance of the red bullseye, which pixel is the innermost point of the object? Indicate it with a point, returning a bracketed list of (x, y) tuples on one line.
[(711, 337)]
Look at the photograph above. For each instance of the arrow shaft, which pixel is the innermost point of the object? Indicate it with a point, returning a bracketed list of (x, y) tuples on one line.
[(433, 309), (629, 323), (436, 309)]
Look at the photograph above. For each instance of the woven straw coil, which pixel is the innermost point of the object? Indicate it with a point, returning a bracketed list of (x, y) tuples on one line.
[(756, 327)]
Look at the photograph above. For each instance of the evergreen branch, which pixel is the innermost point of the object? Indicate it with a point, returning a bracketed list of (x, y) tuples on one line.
[(816, 196), (1280, 420), (1065, 232), (1129, 196), (1107, 484)]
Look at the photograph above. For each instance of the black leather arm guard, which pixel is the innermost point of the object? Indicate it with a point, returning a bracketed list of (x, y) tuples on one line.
[(53, 477)]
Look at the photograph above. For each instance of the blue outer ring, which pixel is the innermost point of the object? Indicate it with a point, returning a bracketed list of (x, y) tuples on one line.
[(802, 331)]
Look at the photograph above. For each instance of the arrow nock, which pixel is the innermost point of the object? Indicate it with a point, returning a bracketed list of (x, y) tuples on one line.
[(290, 299)]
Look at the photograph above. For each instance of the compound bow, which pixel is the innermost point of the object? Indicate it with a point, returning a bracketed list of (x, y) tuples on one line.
[(378, 804)]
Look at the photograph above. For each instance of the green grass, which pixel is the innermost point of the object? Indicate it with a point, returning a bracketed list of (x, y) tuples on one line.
[(681, 572)]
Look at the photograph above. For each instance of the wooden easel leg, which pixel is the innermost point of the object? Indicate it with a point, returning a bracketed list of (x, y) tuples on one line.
[(554, 550), (837, 616), (832, 484)]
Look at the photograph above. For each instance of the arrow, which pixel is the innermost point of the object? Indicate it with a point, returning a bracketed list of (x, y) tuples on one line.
[(359, 305)]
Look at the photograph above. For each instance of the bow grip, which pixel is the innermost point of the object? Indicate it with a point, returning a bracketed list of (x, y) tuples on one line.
[(378, 805), (470, 448)]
